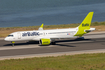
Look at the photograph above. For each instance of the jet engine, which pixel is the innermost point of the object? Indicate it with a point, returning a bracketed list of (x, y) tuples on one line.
[(44, 41)]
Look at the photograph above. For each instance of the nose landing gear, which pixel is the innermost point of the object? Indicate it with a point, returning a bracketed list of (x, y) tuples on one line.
[(12, 43)]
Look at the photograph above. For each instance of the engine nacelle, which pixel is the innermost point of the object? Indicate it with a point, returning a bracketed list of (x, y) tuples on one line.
[(45, 41)]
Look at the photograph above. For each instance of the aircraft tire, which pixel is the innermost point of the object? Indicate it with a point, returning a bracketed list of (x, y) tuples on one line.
[(53, 43)]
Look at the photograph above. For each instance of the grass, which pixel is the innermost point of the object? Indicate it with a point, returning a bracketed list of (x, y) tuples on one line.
[(100, 26), (66, 62)]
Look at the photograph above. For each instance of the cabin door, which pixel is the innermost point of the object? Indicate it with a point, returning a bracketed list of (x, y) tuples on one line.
[(19, 35)]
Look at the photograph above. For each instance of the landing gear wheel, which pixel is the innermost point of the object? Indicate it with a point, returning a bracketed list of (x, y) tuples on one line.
[(82, 38), (53, 43)]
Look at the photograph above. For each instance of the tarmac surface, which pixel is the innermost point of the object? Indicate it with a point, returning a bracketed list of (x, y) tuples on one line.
[(93, 42)]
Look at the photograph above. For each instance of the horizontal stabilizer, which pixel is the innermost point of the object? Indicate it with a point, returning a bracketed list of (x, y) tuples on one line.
[(91, 29)]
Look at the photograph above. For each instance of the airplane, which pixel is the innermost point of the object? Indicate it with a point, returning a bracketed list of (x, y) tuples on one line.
[(47, 37)]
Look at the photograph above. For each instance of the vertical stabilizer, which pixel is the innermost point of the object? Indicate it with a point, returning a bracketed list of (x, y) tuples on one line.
[(85, 25)]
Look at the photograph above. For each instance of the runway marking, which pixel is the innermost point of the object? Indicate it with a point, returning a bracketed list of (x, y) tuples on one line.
[(53, 54)]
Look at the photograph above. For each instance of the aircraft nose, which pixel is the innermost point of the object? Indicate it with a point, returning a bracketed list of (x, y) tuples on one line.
[(6, 39)]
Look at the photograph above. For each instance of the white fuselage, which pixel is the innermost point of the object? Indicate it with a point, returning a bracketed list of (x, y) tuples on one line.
[(46, 36), (39, 34)]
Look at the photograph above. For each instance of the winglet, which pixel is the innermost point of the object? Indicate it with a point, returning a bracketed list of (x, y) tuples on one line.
[(41, 27)]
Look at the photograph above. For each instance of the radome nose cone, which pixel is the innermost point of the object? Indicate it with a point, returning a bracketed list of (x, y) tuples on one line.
[(6, 39)]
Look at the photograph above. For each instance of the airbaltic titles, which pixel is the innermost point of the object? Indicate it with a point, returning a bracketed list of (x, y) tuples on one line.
[(30, 34)]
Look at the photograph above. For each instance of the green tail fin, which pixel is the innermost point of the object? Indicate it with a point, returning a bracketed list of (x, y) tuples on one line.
[(85, 25)]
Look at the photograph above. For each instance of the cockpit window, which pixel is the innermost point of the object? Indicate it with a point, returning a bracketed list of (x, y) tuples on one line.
[(10, 35)]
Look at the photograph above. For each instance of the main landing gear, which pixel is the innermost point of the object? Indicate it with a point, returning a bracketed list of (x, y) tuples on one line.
[(53, 42), (80, 38)]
